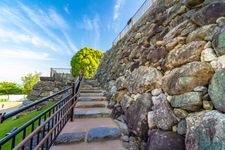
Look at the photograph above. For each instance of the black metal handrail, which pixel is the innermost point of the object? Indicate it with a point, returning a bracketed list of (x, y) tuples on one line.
[(134, 19), (5, 116), (43, 133)]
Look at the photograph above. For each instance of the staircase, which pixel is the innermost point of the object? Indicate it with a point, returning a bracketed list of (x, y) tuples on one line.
[(92, 128)]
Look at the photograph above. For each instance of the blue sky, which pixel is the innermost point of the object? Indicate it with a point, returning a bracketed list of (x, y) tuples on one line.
[(38, 34)]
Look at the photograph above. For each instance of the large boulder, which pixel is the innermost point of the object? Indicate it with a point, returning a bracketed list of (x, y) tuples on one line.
[(209, 14), (205, 131), (185, 54), (176, 30), (163, 116), (136, 115), (186, 78), (155, 56), (143, 79), (191, 101), (217, 90), (219, 42), (165, 140), (126, 101), (192, 3), (203, 33)]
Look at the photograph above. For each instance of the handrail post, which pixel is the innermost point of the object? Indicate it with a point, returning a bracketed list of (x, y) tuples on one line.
[(51, 72), (73, 102), (1, 117)]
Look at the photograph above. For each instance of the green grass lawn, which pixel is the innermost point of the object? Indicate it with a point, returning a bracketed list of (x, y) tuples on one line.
[(7, 125)]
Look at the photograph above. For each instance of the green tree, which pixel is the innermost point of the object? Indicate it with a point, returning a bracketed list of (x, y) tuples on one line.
[(7, 88), (29, 81), (86, 61)]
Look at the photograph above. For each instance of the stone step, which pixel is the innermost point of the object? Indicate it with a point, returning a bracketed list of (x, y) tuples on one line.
[(92, 91), (89, 85), (93, 84), (93, 98), (70, 138), (90, 104), (90, 88), (91, 94), (85, 124), (102, 134), (100, 145), (92, 112), (94, 134)]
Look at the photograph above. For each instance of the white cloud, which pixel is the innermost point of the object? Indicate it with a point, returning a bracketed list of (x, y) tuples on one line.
[(66, 9), (87, 23), (117, 8), (13, 70), (24, 54), (57, 19), (30, 37), (51, 20), (92, 24), (70, 43)]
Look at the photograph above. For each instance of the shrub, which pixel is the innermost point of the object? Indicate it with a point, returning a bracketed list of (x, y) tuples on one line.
[(86, 61)]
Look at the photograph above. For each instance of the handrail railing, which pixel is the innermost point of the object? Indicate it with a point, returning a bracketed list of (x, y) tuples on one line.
[(5, 116), (41, 131), (134, 19)]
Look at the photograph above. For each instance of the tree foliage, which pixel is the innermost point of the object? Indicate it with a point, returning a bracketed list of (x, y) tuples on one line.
[(9, 88), (86, 61), (29, 81)]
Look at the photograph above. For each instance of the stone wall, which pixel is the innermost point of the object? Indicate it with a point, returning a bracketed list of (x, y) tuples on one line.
[(167, 77), (46, 88)]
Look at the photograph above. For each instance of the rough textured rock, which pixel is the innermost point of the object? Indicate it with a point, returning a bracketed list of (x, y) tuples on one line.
[(209, 14), (185, 54), (201, 89), (143, 79), (136, 115), (205, 130), (164, 117), (69, 138), (187, 77), (123, 127), (218, 42), (46, 88), (180, 113), (176, 31), (176, 46), (151, 123), (191, 101), (165, 140), (217, 90), (204, 33), (120, 83), (170, 45), (182, 127), (192, 3), (208, 55), (120, 95), (219, 63), (207, 105), (126, 102), (102, 133), (221, 21), (156, 92)]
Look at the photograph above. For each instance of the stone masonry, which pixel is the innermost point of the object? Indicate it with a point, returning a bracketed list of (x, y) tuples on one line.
[(166, 77)]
